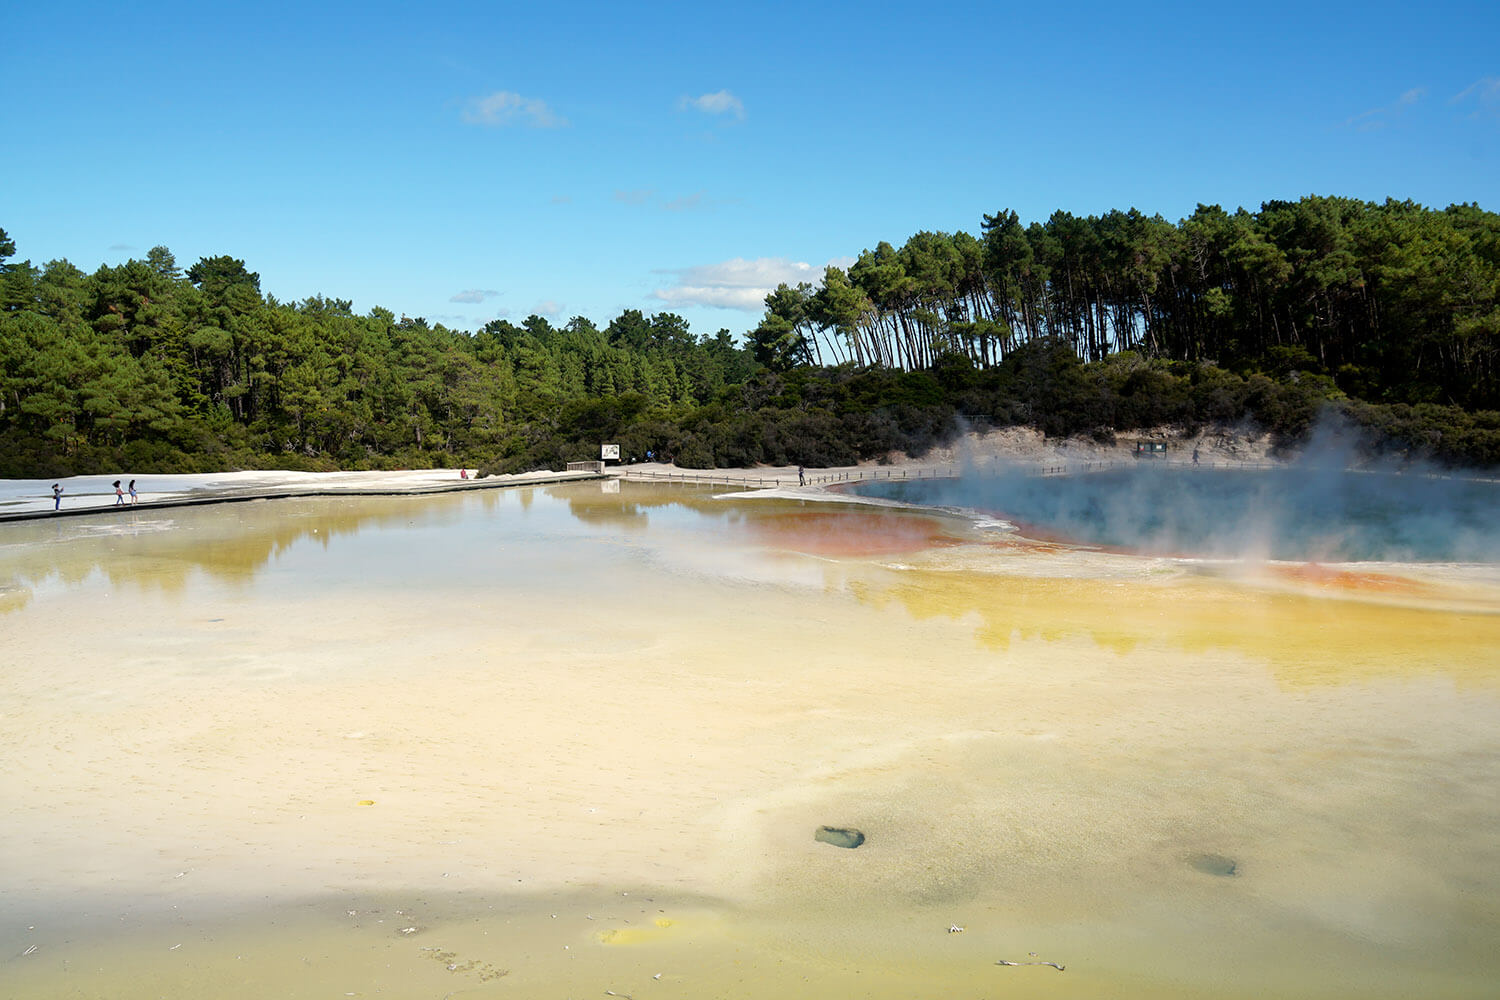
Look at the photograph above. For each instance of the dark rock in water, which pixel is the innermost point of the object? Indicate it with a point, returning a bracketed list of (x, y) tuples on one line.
[(1214, 864), (839, 837)]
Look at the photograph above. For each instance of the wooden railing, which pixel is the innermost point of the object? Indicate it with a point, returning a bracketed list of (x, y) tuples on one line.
[(988, 466), (789, 478)]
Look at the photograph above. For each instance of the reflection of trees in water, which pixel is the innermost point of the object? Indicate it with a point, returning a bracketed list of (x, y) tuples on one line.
[(606, 509), (229, 543), (1305, 640), (14, 595), (630, 507)]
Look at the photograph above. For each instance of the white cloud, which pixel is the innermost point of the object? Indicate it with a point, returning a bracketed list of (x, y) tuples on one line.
[(1368, 121), (473, 295), (696, 202), (506, 107), (719, 103), (738, 283), (1484, 93), (547, 307)]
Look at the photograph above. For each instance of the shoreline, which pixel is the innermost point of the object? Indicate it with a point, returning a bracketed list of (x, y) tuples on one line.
[(31, 499)]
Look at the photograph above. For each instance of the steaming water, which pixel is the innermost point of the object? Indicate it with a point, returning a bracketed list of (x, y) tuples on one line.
[(1298, 513), (548, 743)]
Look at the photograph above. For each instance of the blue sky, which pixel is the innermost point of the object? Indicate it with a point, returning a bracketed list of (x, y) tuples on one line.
[(467, 161)]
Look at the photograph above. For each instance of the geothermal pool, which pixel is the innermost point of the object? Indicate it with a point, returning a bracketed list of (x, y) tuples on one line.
[(1297, 512), (556, 742)]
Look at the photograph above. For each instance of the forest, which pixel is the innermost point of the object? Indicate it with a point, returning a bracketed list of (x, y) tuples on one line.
[(1386, 312)]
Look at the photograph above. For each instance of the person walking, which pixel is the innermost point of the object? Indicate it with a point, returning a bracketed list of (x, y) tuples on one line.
[(57, 492), (133, 497), (801, 476), (119, 494)]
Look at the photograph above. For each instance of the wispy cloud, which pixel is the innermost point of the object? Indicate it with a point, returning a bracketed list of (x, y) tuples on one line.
[(1483, 95), (698, 201), (473, 295), (686, 203), (718, 103), (1376, 118), (735, 284), (506, 107), (548, 307)]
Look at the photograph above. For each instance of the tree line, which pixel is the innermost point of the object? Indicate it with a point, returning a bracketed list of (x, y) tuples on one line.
[(195, 367), (1396, 302), (1089, 325)]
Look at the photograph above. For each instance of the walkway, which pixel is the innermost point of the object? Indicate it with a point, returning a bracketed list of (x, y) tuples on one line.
[(94, 495)]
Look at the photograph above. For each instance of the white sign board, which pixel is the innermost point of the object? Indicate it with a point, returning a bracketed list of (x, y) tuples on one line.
[(609, 451)]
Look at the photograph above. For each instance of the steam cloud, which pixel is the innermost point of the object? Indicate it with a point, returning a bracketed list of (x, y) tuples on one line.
[(1327, 505)]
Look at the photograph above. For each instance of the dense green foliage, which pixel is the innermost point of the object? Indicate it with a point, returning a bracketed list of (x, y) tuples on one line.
[(1390, 312), (1396, 302), (149, 366)]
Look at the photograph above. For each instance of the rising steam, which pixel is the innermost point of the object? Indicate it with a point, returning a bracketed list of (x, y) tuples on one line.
[(1329, 504)]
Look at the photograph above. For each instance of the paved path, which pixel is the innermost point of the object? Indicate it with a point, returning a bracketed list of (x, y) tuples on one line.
[(94, 495)]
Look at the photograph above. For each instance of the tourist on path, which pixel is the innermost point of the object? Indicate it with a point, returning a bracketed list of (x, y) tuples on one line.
[(133, 497), (57, 492), (119, 494)]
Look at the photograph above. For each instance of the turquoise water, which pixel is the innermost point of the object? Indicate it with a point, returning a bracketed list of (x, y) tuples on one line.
[(1294, 513)]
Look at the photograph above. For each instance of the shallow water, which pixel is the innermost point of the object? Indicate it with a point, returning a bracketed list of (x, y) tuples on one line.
[(548, 743)]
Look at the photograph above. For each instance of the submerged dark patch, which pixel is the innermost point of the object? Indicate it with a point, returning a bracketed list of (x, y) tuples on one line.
[(1214, 864), (839, 836)]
